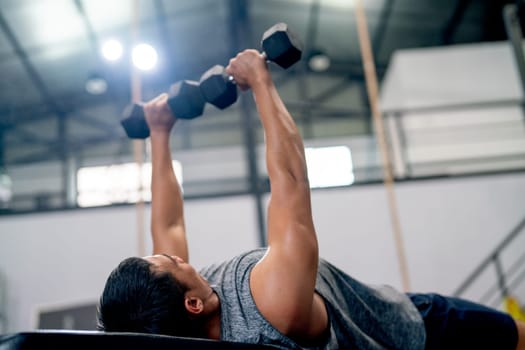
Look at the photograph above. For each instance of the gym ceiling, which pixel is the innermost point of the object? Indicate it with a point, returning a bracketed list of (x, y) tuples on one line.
[(49, 48)]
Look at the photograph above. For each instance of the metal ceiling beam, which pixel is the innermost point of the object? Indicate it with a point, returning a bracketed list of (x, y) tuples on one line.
[(29, 68), (7, 125), (37, 81), (95, 46), (493, 26), (333, 90), (92, 122), (337, 69), (72, 102), (2, 148), (515, 35), (33, 113), (31, 138), (302, 82), (454, 21), (87, 24), (379, 35), (320, 112), (64, 152), (196, 11), (313, 26), (377, 43), (109, 129), (51, 153), (160, 16)]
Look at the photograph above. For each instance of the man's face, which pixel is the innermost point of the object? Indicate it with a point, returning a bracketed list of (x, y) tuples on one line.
[(183, 272)]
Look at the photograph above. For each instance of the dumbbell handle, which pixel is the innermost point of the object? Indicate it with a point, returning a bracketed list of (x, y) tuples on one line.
[(231, 79), (218, 87)]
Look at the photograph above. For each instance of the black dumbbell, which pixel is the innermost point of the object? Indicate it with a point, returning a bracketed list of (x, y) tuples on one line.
[(185, 101), (218, 88), (279, 45)]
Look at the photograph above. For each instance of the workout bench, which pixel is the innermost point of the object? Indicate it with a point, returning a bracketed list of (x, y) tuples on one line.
[(93, 340)]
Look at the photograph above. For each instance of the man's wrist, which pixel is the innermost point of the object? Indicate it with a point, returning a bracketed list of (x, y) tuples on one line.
[(159, 133), (261, 81)]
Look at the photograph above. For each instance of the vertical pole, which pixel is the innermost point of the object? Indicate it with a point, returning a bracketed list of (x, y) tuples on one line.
[(403, 140), (513, 27), (399, 169), (3, 303), (501, 276), (6, 197), (304, 91), (63, 154), (240, 34), (3, 129), (69, 170), (373, 92), (71, 185), (138, 145)]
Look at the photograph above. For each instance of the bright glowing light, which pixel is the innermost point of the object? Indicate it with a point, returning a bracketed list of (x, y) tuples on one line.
[(112, 50), (319, 62), (329, 166), (105, 185), (96, 85), (144, 57)]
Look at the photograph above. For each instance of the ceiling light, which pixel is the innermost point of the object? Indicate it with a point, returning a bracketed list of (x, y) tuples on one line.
[(112, 50), (96, 85), (144, 56), (318, 61)]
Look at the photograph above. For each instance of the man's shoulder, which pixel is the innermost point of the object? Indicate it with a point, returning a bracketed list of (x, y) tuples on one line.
[(240, 319), (239, 262)]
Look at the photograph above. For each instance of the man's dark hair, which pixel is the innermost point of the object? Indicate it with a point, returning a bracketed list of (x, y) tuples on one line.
[(138, 299)]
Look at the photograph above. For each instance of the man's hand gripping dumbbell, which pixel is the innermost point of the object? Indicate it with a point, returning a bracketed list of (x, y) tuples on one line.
[(279, 45), (184, 99)]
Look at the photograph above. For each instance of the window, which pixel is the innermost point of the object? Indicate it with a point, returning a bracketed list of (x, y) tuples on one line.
[(105, 185), (329, 166)]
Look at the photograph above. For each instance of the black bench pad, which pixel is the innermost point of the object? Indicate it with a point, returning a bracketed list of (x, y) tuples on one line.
[(58, 340)]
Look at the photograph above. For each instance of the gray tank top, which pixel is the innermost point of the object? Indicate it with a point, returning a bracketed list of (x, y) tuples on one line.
[(361, 316)]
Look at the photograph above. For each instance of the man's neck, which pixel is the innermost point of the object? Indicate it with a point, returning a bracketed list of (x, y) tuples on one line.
[(212, 325)]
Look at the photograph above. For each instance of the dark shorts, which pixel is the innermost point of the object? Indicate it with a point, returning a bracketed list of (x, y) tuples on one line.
[(453, 323)]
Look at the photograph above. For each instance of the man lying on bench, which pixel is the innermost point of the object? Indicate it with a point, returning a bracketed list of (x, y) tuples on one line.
[(283, 294)]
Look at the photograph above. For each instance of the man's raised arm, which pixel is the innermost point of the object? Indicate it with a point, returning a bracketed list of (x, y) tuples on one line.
[(283, 282), (167, 215)]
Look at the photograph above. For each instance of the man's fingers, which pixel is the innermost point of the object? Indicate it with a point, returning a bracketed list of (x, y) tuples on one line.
[(163, 96), (157, 101), (160, 99)]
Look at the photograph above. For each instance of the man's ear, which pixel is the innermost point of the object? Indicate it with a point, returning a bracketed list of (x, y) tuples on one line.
[(194, 305)]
